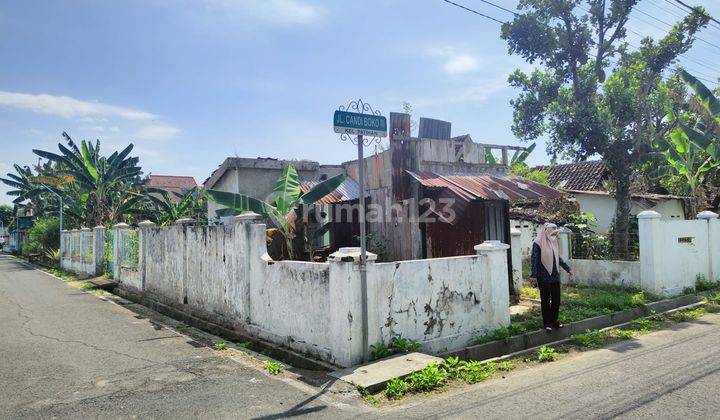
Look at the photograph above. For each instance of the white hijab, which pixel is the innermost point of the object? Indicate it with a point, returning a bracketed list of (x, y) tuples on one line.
[(548, 244)]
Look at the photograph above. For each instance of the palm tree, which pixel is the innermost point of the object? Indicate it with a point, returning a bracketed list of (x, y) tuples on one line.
[(26, 186), (105, 188)]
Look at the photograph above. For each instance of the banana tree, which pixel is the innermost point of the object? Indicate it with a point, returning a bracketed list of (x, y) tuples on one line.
[(110, 183), (282, 212), (167, 210), (692, 147)]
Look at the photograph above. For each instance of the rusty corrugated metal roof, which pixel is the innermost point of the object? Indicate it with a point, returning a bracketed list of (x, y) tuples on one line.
[(347, 191), (487, 187)]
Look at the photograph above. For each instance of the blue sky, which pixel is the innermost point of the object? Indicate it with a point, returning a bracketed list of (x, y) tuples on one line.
[(192, 82)]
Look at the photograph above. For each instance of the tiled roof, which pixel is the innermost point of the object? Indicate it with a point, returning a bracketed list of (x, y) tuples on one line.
[(172, 182), (580, 176)]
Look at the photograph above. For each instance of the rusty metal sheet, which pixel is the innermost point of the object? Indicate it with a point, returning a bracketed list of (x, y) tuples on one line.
[(347, 191)]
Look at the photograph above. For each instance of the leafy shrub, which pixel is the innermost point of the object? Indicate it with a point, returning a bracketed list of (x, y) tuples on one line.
[(273, 367), (220, 346), (590, 339), (687, 315), (396, 388), (378, 351), (644, 325), (702, 284), (429, 378), (43, 236), (546, 354), (501, 333), (506, 365), (404, 345), (476, 371)]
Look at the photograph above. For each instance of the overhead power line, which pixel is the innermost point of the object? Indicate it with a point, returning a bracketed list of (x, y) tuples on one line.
[(670, 25), (630, 30), (500, 7), (687, 6), (474, 11)]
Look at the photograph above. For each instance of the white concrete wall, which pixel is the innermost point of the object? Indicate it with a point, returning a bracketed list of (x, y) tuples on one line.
[(674, 252), (528, 233), (444, 303), (606, 273), (81, 251), (223, 273)]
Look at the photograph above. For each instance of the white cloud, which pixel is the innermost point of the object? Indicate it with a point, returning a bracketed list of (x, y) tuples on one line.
[(274, 12), (156, 132), (462, 63), (67, 107)]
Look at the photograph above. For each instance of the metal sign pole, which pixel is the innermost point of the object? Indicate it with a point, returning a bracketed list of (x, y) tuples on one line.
[(359, 119), (363, 246)]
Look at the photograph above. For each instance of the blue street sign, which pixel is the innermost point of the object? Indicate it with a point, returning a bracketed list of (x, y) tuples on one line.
[(360, 124)]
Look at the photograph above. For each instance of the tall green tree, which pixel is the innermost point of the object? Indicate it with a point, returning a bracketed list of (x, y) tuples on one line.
[(6, 214), (169, 207), (583, 101)]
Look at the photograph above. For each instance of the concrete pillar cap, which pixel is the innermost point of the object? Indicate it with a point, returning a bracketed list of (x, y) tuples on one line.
[(350, 253), (247, 216), (515, 232), (185, 221), (99, 227), (707, 214), (146, 223), (649, 214), (489, 246), (121, 225), (85, 229)]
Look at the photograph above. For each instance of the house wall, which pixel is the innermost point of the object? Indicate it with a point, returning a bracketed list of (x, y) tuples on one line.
[(257, 177), (603, 208)]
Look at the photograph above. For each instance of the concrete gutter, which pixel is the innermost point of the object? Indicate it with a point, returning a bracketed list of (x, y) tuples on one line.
[(534, 339)]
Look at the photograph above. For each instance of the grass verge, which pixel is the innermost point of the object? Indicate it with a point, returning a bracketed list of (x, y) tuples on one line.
[(453, 372)]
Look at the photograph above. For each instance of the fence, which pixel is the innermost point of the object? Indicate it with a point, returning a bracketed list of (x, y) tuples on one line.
[(223, 274), (81, 251), (672, 255), (612, 246)]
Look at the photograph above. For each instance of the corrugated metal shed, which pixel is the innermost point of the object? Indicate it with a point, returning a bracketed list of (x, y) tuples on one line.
[(434, 129), (347, 191), (487, 187)]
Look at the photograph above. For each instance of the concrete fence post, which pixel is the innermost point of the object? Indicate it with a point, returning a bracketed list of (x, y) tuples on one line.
[(117, 243), (495, 253), (63, 249), (348, 333), (516, 258), (87, 268), (247, 257), (98, 249), (143, 228), (564, 242), (651, 246), (713, 228)]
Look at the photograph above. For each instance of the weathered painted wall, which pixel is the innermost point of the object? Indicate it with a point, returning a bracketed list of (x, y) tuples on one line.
[(223, 274), (444, 303), (528, 233), (606, 273), (81, 251)]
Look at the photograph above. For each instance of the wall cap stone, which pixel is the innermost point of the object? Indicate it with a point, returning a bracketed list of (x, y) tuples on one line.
[(649, 214), (350, 253), (185, 221), (121, 225), (489, 246), (86, 229), (146, 223), (99, 227), (707, 215), (247, 216), (515, 232)]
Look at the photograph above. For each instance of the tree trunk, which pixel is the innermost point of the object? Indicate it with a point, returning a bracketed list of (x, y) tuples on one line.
[(622, 214)]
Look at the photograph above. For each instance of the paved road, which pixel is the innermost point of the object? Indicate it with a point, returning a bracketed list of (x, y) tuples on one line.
[(65, 353)]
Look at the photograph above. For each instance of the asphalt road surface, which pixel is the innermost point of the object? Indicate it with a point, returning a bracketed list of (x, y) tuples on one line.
[(69, 354)]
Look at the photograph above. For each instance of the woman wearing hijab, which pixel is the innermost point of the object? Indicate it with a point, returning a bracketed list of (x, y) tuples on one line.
[(545, 263)]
